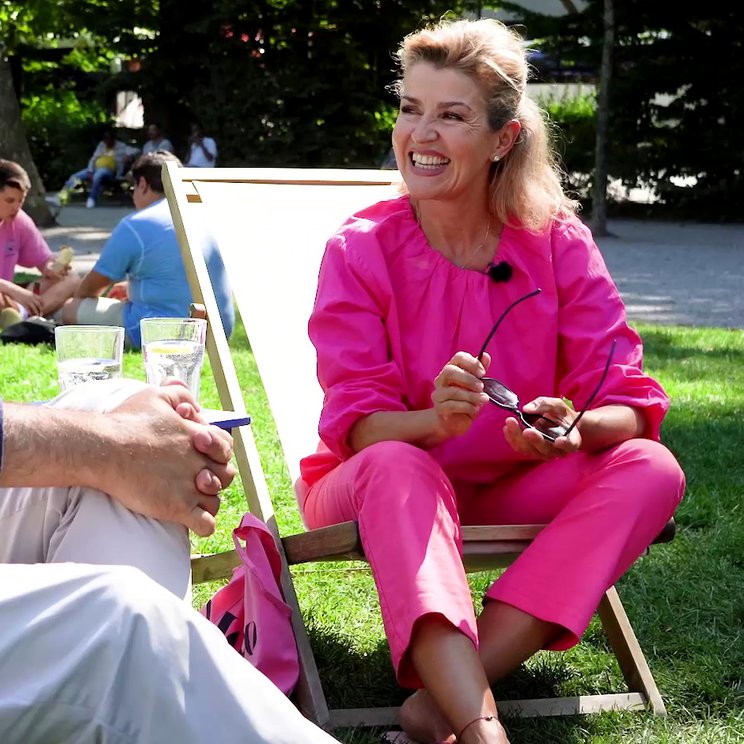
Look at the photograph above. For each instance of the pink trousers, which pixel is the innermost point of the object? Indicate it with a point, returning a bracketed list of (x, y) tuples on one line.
[(602, 511)]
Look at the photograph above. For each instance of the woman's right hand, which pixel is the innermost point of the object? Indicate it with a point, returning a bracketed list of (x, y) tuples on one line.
[(458, 393), (33, 303)]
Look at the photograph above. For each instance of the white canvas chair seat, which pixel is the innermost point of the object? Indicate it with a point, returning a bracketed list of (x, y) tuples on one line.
[(271, 226)]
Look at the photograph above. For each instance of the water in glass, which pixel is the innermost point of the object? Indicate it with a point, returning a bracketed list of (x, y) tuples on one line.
[(75, 371), (177, 358)]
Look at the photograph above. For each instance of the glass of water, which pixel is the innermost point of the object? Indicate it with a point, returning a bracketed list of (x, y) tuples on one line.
[(174, 348), (88, 352)]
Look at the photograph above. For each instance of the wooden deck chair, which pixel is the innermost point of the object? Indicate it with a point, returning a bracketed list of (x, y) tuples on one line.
[(271, 227)]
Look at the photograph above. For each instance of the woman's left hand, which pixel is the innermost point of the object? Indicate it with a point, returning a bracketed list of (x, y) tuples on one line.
[(531, 443)]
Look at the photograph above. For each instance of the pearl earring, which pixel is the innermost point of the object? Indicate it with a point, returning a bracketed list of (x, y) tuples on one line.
[(495, 158)]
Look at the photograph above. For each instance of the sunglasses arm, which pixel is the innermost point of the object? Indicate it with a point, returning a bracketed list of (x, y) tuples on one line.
[(501, 317), (596, 390)]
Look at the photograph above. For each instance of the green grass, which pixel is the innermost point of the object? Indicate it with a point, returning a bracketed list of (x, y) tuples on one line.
[(686, 599)]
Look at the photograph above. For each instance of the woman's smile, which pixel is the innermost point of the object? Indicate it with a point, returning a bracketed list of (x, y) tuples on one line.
[(428, 163)]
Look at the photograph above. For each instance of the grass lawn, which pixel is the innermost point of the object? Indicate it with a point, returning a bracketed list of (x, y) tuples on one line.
[(686, 599)]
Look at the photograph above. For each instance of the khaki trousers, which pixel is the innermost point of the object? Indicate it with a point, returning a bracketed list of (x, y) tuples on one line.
[(82, 525)]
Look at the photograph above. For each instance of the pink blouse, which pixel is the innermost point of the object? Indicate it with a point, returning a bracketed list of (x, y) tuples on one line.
[(390, 312)]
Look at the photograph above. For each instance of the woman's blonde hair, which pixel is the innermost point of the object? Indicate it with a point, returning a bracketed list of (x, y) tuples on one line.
[(525, 187)]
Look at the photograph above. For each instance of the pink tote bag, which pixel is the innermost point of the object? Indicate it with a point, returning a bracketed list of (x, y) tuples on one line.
[(250, 610)]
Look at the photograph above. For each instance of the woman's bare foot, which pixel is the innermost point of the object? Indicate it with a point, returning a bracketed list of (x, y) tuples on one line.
[(421, 720)]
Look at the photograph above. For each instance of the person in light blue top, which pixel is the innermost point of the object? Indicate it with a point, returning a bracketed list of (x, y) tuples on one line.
[(143, 250)]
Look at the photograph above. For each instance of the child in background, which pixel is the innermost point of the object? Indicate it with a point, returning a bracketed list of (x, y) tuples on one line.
[(21, 244)]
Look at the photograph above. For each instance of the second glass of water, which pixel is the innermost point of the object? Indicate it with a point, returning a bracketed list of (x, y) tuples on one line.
[(174, 348), (88, 352)]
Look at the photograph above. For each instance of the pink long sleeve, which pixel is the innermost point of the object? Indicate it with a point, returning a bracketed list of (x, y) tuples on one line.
[(355, 366), (390, 312), (591, 314)]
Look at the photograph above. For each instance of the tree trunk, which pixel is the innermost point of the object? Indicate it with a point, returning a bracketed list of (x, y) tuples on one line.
[(14, 146), (599, 191)]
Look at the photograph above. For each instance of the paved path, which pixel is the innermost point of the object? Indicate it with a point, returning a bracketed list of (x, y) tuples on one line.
[(86, 230), (678, 273), (667, 272)]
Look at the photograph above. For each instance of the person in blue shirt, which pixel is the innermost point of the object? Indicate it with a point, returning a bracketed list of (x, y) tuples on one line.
[(144, 250)]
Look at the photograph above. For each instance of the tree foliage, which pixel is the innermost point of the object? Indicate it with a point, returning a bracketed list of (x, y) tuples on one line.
[(676, 105), (24, 26), (285, 82), (280, 82), (292, 82)]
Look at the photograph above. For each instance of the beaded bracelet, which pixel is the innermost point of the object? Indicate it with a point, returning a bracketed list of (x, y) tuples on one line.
[(475, 720)]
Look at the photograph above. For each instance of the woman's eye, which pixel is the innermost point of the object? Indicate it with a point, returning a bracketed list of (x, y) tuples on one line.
[(451, 115), (407, 110)]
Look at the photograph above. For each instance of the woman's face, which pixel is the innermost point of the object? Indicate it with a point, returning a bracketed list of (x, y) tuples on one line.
[(442, 141)]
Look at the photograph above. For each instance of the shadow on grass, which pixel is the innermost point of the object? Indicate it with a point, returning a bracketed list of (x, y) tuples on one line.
[(686, 603), (709, 449), (354, 680), (662, 345)]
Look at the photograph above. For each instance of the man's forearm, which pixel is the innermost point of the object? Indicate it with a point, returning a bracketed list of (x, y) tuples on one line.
[(149, 453), (83, 293), (47, 447), (93, 285)]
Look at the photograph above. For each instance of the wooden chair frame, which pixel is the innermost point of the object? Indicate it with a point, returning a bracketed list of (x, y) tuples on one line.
[(485, 547)]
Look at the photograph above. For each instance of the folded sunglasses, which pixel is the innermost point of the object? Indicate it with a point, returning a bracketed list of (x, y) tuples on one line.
[(507, 399)]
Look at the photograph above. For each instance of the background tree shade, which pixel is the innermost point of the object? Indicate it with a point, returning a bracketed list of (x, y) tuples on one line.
[(288, 82)]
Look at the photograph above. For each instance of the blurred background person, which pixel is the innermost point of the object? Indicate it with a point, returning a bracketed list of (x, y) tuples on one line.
[(143, 250), (109, 161), (21, 244), (202, 150), (156, 140)]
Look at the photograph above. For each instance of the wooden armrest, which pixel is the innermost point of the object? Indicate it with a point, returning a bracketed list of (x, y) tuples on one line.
[(483, 546), (342, 542), (333, 543), (197, 310), (213, 567)]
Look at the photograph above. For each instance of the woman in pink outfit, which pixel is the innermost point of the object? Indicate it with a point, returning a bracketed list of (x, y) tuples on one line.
[(413, 445)]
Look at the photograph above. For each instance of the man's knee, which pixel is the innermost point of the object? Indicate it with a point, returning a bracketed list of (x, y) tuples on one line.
[(71, 281), (129, 612), (98, 395), (70, 311), (102, 175)]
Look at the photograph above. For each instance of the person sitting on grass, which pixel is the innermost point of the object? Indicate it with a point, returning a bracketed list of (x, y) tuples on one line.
[(109, 160), (144, 249), (97, 642), (21, 244)]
